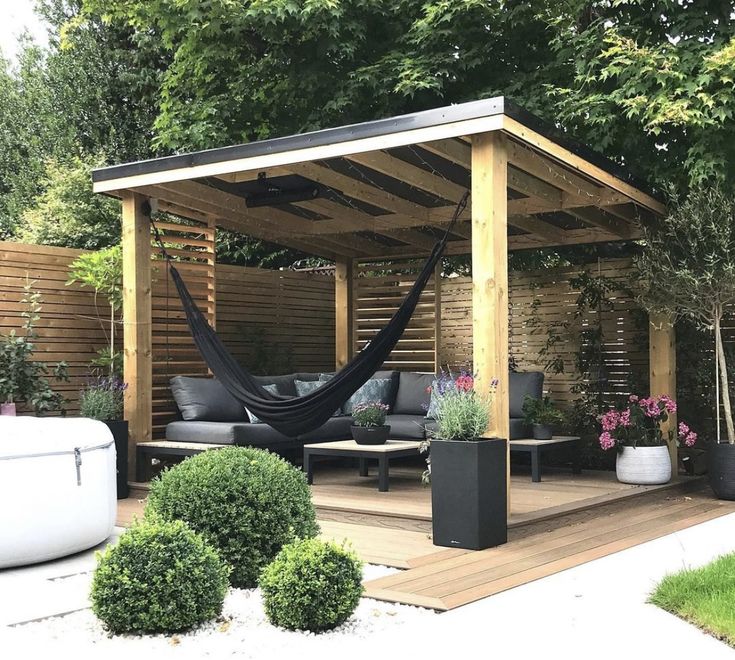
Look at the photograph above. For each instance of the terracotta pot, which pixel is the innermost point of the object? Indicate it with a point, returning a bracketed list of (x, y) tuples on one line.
[(643, 466), (7, 409)]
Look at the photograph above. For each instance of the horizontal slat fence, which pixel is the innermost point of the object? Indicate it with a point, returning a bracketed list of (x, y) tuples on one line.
[(68, 329), (544, 299), (270, 320), (378, 292)]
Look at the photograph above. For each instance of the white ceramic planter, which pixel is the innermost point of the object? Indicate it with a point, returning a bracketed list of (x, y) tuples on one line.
[(644, 466)]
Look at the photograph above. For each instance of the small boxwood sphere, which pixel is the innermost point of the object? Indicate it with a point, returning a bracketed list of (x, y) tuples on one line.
[(246, 502), (160, 577), (311, 585)]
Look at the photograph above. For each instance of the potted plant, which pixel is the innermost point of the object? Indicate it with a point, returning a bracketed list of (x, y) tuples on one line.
[(643, 448), (103, 400), (22, 379), (467, 470), (542, 415), (687, 269), (369, 427)]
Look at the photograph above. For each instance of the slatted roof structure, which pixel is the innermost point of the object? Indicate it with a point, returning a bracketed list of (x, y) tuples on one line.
[(386, 189)]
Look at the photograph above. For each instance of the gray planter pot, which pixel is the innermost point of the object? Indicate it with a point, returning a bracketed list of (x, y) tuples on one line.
[(722, 470), (542, 432), (469, 506), (370, 435), (643, 466)]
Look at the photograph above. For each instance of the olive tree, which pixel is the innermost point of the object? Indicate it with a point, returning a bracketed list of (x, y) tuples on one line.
[(687, 268)]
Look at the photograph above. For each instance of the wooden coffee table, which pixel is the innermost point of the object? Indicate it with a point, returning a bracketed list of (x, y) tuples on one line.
[(350, 449)]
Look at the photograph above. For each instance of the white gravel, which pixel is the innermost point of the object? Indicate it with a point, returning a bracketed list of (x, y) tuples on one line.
[(242, 631)]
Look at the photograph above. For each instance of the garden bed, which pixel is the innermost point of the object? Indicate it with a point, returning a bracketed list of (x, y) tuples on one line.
[(242, 628)]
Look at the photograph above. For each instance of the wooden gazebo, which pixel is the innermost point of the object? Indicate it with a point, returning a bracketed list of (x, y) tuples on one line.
[(384, 190)]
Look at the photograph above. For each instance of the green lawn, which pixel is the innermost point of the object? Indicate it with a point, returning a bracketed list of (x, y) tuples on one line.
[(703, 596)]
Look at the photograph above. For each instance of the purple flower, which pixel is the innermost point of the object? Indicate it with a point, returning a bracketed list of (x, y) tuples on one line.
[(610, 420)]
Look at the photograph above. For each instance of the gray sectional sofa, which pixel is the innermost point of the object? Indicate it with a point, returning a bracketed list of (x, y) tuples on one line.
[(209, 414)]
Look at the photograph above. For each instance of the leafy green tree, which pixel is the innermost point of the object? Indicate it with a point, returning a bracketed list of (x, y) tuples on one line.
[(649, 82), (687, 269), (102, 271), (67, 213)]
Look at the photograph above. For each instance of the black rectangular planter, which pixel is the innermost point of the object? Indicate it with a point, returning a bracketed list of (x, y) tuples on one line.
[(119, 431), (468, 493)]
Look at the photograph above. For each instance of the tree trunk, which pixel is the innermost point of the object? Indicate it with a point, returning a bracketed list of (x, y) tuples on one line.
[(722, 362)]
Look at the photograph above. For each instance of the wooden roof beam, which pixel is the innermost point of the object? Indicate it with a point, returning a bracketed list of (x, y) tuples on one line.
[(412, 175), (610, 224)]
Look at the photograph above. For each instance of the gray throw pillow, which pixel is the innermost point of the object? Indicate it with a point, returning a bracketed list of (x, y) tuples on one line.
[(273, 389), (205, 400), (304, 387), (376, 389)]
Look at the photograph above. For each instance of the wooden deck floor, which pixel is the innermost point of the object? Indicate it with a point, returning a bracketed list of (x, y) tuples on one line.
[(449, 579), (559, 523)]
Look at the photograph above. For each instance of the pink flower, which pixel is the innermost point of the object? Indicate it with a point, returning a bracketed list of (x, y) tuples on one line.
[(633, 398), (683, 429), (650, 407), (610, 420), (690, 439), (625, 418), (606, 440), (669, 403), (464, 383)]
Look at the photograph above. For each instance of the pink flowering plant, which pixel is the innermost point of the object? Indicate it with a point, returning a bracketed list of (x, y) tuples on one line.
[(639, 423), (371, 413)]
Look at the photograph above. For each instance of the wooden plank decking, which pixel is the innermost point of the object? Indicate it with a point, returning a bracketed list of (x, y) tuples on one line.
[(445, 581)]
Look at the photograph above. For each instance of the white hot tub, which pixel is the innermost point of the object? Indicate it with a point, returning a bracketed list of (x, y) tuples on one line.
[(57, 487)]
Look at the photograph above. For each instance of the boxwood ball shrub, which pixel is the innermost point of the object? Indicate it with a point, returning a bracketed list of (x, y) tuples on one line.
[(160, 577), (248, 503), (311, 585)]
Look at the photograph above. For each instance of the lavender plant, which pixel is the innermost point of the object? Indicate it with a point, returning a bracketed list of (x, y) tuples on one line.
[(103, 400)]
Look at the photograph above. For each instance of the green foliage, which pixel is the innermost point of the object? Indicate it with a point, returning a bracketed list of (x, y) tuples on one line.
[(461, 415), (246, 502), (67, 213), (703, 596), (687, 268), (22, 379), (541, 411), (311, 585), (102, 271), (160, 577), (646, 82), (103, 400)]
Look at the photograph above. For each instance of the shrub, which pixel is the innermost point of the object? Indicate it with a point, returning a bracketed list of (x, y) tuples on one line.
[(246, 502), (311, 585), (103, 400), (160, 577)]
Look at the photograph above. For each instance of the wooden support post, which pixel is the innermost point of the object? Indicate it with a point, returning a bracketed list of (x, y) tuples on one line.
[(138, 356), (438, 317), (662, 370), (344, 312), (490, 276)]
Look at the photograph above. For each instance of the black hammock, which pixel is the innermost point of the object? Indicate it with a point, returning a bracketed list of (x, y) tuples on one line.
[(294, 416)]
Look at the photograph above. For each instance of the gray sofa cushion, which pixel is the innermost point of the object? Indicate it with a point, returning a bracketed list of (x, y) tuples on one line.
[(376, 389), (205, 399), (413, 397), (336, 428), (406, 427), (226, 433), (521, 384), (217, 433), (254, 419)]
